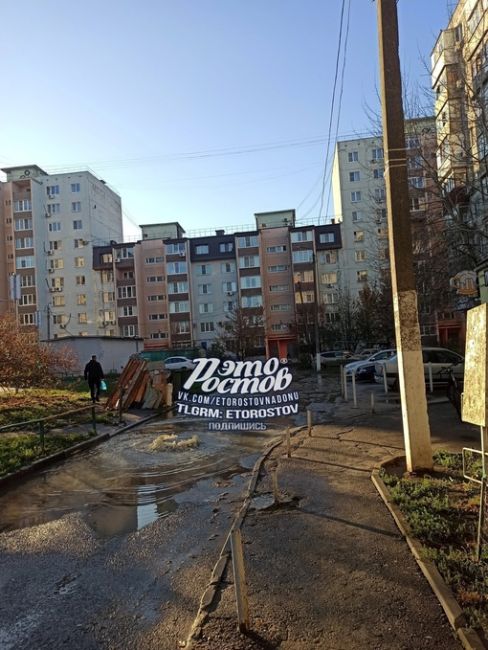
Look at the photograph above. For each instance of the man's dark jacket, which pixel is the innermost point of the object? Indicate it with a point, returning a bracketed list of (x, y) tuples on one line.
[(93, 371)]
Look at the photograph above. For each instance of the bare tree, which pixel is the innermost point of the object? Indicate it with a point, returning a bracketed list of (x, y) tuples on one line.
[(242, 331)]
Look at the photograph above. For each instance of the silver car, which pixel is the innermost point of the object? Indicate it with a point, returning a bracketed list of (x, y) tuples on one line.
[(438, 361), (364, 369)]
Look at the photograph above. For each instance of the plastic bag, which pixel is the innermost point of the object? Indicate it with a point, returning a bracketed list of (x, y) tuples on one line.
[(103, 385)]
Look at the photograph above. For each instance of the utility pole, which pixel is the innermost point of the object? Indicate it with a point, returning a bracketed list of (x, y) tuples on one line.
[(316, 316), (416, 429)]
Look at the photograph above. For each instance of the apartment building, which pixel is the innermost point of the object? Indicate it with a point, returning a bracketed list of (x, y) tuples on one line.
[(49, 224), (360, 206)]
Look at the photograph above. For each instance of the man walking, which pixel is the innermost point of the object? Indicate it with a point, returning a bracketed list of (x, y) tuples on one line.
[(94, 375)]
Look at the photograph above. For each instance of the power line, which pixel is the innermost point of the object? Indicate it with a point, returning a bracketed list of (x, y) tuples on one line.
[(336, 74)]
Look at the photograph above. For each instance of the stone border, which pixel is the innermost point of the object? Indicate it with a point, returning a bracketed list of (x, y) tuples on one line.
[(455, 615), (26, 471), (212, 589)]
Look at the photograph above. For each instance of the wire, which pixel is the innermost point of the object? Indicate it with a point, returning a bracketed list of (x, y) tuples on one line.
[(336, 74)]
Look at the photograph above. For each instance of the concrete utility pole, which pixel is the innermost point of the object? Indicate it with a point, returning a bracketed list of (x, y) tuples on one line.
[(416, 429)]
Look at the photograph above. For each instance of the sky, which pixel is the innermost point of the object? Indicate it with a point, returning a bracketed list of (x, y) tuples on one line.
[(199, 111)]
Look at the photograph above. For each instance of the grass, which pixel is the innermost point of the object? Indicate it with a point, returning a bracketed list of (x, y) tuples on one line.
[(442, 511), (19, 450)]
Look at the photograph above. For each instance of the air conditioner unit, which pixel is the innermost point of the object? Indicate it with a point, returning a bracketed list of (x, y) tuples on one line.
[(50, 252), (230, 293), (182, 254), (51, 270), (50, 196), (58, 288), (112, 322)]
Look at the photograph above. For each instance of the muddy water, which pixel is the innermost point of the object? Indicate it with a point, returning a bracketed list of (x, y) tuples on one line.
[(123, 485)]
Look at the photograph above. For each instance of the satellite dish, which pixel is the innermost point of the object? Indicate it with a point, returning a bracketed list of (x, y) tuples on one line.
[(27, 172)]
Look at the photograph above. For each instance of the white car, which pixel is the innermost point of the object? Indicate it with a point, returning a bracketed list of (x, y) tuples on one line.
[(439, 361), (178, 363), (364, 369)]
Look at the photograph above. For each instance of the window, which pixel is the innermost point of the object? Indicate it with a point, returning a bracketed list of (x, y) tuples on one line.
[(82, 317), (202, 249), (129, 310), (279, 287), (412, 142), (414, 203), (301, 235), (414, 162), (300, 257), (207, 327), (226, 247), (126, 292), (178, 287), (380, 214), (303, 276), (25, 262), (75, 187), (176, 249), (252, 301), (229, 287), (23, 224), (356, 215), (58, 301), (154, 260), (28, 299), (301, 297), (77, 224), (362, 276), (53, 208), (158, 335), (182, 327), (79, 243), (27, 319), (329, 298), (327, 237), (55, 226), (204, 289), (204, 269), (205, 308), (353, 156), (281, 307), (107, 276), (176, 268), (108, 296), (332, 317), (179, 306), (382, 233), (379, 194), (248, 242), (228, 267), (229, 306), (328, 278), (56, 264), (158, 297), (27, 281), (251, 282), (129, 330), (157, 316), (360, 255), (79, 262), (124, 253), (57, 283), (279, 327), (355, 197), (24, 242), (76, 206), (276, 249), (354, 177), (55, 245), (378, 154), (51, 190), (81, 299), (358, 235), (278, 268), (58, 319), (23, 206), (80, 280), (155, 278), (107, 258), (416, 181), (378, 173), (248, 261), (329, 258)]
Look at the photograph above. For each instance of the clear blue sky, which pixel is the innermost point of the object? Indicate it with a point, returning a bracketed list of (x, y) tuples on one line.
[(126, 88)]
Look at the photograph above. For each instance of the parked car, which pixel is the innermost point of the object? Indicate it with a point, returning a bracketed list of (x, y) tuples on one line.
[(364, 369), (441, 360), (178, 363), (334, 357)]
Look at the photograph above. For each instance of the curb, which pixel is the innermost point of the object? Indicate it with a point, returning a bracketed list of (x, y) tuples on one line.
[(26, 471), (455, 615), (220, 566)]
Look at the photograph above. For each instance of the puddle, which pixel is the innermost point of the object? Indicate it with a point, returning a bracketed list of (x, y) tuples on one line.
[(124, 484)]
